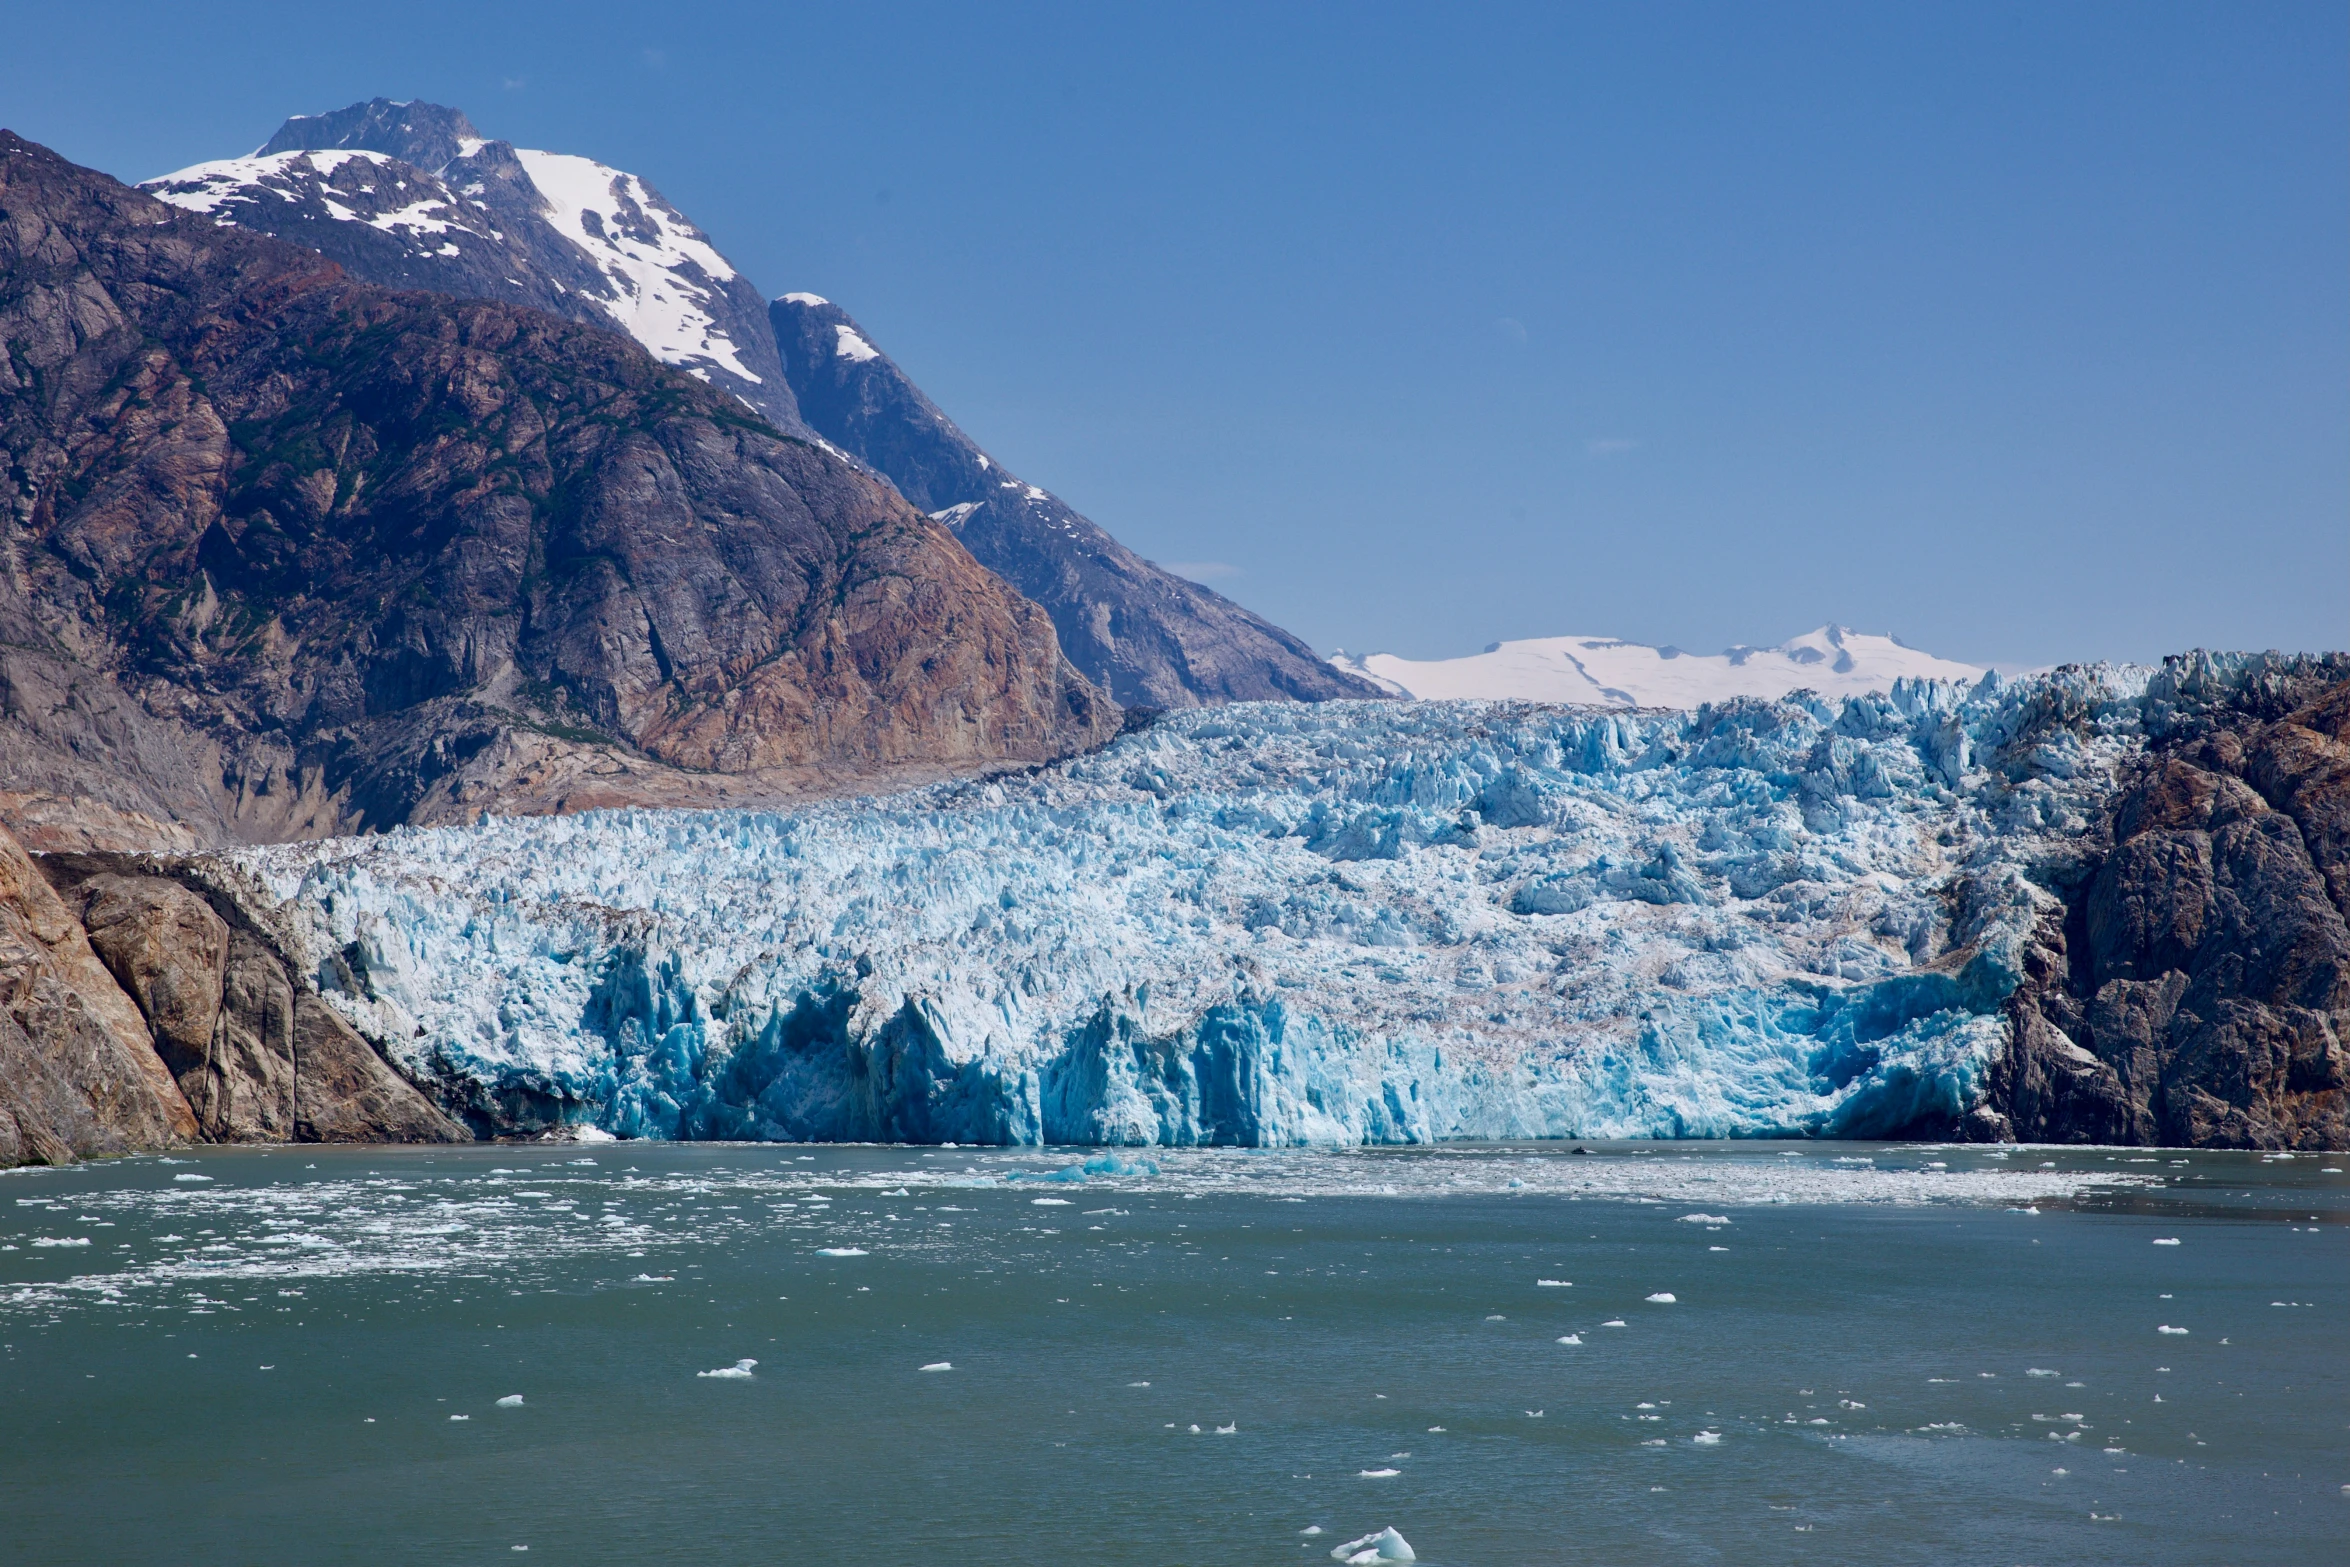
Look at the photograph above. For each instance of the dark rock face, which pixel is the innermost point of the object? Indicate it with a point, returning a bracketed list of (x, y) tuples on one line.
[(1151, 637), (78, 1074), (412, 196), (290, 555), (258, 1057), (2196, 988)]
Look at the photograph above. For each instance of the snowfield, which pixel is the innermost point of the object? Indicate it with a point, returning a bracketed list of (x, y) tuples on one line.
[(1274, 924), (1835, 661)]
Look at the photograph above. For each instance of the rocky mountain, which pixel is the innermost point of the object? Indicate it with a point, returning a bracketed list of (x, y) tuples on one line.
[(288, 554), (1610, 672), (1155, 639), (410, 195)]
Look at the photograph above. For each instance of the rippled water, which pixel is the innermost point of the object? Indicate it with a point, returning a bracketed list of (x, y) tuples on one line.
[(1889, 1354)]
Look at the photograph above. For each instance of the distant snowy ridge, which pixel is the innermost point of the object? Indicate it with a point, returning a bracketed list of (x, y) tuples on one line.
[(1834, 661), (1268, 924)]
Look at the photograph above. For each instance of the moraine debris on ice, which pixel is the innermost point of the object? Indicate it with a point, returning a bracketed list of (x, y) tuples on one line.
[(1266, 925)]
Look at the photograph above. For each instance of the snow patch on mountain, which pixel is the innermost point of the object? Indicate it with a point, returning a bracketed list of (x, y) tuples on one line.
[(206, 187), (660, 265), (1264, 924), (1610, 672)]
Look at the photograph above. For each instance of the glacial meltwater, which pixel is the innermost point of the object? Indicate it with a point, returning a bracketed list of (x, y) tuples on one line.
[(1508, 1354)]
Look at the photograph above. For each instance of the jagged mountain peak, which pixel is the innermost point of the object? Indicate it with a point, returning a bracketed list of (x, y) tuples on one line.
[(429, 135)]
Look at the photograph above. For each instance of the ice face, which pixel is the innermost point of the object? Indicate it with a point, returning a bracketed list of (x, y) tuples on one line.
[(1257, 925)]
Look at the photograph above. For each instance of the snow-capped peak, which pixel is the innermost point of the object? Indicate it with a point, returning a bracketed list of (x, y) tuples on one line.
[(466, 215), (1610, 672)]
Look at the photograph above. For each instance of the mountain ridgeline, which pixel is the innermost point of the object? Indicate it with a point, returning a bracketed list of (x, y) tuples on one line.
[(410, 195), (1153, 638)]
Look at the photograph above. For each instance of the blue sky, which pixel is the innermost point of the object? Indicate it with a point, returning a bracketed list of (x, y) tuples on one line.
[(2018, 331)]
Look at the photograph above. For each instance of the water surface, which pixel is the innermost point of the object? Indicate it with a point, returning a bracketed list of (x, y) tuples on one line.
[(1890, 1354)]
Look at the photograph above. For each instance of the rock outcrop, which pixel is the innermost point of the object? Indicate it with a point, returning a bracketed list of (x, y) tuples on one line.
[(289, 555), (79, 1075), (139, 1010), (1152, 638), (2194, 990)]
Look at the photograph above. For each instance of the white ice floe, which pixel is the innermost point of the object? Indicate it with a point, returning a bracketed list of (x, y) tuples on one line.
[(190, 1179), (1613, 1322), (1572, 1338), (1707, 1438), (2167, 1240), (1553, 1284), (841, 1251), (1705, 1218), (940, 1365), (1384, 1546), (2167, 1328), (1367, 1474), (1662, 1298), (510, 1401), (739, 1371)]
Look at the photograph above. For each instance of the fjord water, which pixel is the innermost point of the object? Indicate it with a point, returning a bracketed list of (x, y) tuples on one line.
[(1889, 1354)]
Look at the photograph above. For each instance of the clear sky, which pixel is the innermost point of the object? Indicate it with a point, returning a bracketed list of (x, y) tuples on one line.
[(2022, 332)]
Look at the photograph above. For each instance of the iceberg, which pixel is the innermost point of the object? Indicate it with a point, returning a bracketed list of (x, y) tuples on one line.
[(1384, 1546), (738, 1372), (1264, 925)]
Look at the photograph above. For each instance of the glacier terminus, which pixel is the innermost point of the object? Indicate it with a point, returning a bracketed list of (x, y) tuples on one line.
[(1270, 924)]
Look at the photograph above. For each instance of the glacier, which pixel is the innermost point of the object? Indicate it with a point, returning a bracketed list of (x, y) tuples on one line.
[(1271, 924)]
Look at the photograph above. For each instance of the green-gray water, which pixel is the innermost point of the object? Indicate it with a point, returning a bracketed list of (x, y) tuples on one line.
[(1871, 1354)]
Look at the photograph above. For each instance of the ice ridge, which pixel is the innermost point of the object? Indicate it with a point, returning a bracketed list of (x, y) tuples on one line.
[(1274, 924)]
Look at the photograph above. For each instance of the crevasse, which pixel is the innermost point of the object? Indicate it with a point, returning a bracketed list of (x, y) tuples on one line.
[(1268, 924)]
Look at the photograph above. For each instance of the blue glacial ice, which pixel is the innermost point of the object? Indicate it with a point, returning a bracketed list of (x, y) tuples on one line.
[(1263, 925)]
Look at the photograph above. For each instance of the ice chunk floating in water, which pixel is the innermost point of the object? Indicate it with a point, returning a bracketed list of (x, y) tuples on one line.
[(1268, 924), (1385, 1546), (740, 1370)]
